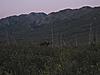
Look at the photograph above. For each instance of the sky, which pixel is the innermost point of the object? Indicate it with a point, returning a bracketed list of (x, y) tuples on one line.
[(16, 7)]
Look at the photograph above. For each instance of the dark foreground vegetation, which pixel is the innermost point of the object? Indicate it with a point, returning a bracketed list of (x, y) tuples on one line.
[(49, 61)]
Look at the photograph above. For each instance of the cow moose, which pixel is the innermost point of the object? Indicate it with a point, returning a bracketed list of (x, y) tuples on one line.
[(45, 43)]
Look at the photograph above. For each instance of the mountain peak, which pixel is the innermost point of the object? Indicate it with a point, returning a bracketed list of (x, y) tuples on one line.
[(86, 7), (40, 13)]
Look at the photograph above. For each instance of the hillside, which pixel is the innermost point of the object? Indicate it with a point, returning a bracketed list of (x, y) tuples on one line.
[(70, 24)]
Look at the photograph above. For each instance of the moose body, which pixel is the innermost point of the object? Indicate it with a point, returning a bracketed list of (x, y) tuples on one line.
[(45, 43)]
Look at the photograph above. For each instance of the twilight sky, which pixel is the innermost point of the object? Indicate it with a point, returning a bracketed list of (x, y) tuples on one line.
[(14, 7)]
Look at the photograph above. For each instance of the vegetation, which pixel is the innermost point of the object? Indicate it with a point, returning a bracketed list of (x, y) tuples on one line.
[(28, 60)]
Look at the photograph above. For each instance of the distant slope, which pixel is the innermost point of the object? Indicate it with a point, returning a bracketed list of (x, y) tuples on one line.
[(20, 27), (71, 24)]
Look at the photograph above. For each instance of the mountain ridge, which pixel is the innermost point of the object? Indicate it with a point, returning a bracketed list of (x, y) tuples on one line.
[(37, 26)]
